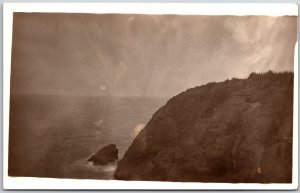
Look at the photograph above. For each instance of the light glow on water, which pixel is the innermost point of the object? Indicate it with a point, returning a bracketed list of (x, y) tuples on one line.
[(137, 129)]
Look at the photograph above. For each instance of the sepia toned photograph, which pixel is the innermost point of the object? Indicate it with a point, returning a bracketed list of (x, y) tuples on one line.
[(152, 97)]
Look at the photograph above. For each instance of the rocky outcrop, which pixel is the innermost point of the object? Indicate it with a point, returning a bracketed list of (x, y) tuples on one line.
[(105, 155), (239, 130)]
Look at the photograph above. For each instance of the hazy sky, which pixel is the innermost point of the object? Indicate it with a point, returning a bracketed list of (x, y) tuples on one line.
[(143, 55)]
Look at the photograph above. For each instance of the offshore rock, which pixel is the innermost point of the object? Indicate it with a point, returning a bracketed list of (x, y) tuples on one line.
[(105, 155)]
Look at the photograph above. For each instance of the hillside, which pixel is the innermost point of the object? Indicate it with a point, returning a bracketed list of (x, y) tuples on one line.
[(239, 130)]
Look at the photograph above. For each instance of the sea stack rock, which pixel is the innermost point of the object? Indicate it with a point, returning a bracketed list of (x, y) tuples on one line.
[(239, 130), (105, 155)]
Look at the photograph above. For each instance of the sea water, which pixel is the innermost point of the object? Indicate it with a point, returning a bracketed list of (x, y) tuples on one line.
[(53, 136)]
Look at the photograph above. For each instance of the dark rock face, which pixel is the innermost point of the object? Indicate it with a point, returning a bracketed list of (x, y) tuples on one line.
[(105, 155), (239, 130)]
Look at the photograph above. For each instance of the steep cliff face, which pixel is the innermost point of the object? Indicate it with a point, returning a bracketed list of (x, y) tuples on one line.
[(239, 130)]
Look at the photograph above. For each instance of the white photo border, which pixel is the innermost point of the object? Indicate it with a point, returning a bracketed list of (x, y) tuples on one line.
[(240, 9)]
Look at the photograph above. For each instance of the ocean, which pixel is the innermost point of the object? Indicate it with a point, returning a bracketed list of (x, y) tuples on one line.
[(53, 136)]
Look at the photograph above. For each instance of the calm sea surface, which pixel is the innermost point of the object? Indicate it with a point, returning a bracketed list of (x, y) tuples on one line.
[(53, 136)]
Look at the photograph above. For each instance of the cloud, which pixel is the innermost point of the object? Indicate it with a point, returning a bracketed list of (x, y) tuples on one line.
[(249, 30)]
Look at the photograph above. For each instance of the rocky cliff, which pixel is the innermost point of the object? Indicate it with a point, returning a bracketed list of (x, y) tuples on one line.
[(239, 130)]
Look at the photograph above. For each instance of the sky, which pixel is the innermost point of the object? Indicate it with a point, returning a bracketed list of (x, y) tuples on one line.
[(143, 55)]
